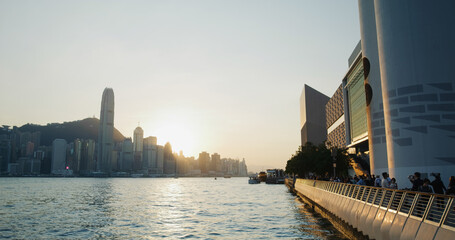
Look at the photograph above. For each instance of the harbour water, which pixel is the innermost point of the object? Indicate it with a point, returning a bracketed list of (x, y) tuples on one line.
[(151, 208)]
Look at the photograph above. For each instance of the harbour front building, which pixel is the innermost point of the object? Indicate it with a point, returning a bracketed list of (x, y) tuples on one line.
[(399, 91), (312, 116)]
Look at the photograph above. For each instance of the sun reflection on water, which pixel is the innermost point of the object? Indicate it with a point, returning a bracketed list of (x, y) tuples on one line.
[(153, 208)]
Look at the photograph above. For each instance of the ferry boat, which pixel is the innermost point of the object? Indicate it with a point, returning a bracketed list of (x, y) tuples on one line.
[(275, 176)]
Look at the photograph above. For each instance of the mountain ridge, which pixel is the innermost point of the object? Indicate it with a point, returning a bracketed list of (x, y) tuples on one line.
[(83, 129)]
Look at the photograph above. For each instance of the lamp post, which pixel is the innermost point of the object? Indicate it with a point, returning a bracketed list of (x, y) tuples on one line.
[(334, 156)]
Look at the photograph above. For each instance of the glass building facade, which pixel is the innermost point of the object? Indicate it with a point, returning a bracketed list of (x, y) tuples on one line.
[(357, 103)]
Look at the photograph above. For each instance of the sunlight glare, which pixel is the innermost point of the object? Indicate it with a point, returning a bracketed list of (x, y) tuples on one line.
[(181, 133)]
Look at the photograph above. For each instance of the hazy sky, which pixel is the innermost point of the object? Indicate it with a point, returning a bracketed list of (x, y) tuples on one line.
[(215, 76)]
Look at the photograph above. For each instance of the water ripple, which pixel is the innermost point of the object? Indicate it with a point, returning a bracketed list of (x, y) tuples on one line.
[(184, 208)]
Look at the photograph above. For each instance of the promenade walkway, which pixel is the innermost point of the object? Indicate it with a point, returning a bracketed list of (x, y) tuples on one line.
[(382, 213)]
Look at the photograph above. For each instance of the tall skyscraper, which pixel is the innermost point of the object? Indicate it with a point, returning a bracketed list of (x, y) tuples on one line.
[(127, 155), (106, 131), (59, 156), (138, 142), (138, 139), (76, 155), (215, 164), (149, 155), (204, 160), (169, 159), (87, 164), (159, 159)]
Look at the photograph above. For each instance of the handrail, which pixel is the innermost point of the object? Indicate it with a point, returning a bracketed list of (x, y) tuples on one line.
[(435, 208)]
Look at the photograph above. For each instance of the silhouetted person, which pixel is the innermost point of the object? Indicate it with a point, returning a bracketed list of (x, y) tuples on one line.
[(369, 181), (361, 181), (416, 181), (426, 186), (437, 184), (451, 187)]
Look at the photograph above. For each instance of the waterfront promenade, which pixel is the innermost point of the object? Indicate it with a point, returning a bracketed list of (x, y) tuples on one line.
[(382, 213)]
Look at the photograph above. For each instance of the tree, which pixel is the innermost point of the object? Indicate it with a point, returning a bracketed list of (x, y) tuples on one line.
[(317, 160)]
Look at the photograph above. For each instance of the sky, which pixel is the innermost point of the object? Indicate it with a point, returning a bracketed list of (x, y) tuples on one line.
[(215, 76)]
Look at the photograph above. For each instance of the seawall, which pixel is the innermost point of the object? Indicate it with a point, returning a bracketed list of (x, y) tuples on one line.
[(380, 213)]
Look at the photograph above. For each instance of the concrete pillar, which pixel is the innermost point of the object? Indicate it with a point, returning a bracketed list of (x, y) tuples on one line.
[(373, 90), (416, 57)]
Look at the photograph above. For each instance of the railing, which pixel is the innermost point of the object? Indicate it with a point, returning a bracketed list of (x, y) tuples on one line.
[(383, 213)]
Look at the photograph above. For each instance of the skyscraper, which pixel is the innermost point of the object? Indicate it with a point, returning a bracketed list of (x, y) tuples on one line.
[(87, 164), (204, 159), (127, 155), (106, 131), (215, 164), (149, 155), (138, 142), (169, 159), (58, 156), (138, 139)]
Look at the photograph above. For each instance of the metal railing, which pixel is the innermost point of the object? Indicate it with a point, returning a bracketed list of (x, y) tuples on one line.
[(435, 208)]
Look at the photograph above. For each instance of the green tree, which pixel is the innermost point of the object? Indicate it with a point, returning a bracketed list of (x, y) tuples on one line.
[(317, 160)]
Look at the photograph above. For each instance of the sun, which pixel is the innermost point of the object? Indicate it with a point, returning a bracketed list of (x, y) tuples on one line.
[(181, 134)]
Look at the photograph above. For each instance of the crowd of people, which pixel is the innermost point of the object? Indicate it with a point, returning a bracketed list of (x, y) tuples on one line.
[(419, 185)]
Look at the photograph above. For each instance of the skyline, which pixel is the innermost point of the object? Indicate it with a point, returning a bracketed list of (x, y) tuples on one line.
[(209, 76)]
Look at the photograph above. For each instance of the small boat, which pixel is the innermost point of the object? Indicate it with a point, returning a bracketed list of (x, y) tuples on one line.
[(253, 180), (227, 176)]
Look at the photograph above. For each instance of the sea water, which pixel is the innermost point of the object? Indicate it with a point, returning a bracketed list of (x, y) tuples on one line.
[(152, 208)]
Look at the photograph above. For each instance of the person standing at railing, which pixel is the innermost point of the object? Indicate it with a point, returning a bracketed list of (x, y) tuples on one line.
[(369, 181), (355, 179), (377, 181), (416, 181), (426, 186), (451, 187), (361, 181), (386, 180), (437, 184), (393, 184)]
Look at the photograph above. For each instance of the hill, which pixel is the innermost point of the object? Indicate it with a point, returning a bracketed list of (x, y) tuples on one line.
[(83, 129)]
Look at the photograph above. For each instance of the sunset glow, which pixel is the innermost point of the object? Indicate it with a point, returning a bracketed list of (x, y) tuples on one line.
[(182, 133)]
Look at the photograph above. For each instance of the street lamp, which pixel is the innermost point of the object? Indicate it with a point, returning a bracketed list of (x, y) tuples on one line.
[(334, 156)]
